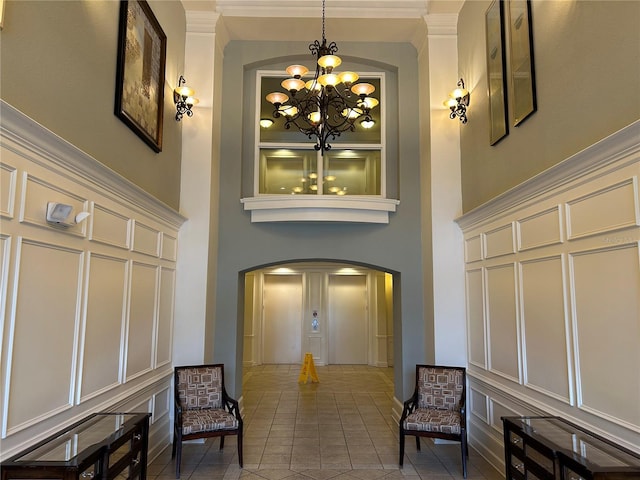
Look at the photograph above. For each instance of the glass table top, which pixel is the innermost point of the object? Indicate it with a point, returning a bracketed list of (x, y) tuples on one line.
[(575, 442), (68, 444)]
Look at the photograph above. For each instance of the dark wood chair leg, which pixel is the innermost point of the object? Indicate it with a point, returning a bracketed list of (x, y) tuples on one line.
[(221, 442), (240, 449), (401, 461), (465, 453), (417, 442), (178, 457)]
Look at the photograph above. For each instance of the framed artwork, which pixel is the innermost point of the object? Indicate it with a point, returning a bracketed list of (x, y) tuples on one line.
[(523, 84), (140, 72), (496, 74)]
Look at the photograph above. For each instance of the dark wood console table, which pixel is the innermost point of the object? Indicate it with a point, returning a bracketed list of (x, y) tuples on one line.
[(551, 448), (102, 446)]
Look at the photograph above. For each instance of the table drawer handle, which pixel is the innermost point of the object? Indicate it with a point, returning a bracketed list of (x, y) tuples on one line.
[(135, 461), (87, 474), (137, 436)]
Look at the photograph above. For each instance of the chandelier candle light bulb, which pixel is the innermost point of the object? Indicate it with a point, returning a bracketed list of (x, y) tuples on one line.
[(320, 108)]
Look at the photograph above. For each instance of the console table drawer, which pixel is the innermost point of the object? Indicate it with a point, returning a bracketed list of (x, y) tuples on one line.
[(102, 446)]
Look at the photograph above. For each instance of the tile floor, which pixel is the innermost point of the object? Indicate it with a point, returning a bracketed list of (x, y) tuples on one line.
[(339, 429)]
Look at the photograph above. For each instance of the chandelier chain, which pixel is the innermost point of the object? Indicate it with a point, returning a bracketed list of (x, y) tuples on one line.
[(327, 105), (323, 37)]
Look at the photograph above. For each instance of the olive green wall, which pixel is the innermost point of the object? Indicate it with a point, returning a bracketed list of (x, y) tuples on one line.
[(587, 66), (59, 68)]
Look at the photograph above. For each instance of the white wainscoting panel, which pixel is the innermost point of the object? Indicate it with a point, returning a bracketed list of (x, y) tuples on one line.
[(142, 319), (102, 356), (83, 312), (8, 179), (476, 318), (146, 239), (165, 316), (545, 327), (109, 227), (541, 229), (605, 210), (565, 303), (479, 404), (503, 321), (473, 249), (169, 247), (607, 328), (44, 321), (499, 241)]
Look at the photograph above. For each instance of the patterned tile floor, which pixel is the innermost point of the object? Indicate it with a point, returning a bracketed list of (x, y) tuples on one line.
[(339, 429)]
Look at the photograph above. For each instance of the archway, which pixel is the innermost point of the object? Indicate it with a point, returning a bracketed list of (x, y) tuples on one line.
[(315, 321)]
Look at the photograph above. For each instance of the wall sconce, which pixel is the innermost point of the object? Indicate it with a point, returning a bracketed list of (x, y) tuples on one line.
[(58, 214), (184, 99), (458, 102)]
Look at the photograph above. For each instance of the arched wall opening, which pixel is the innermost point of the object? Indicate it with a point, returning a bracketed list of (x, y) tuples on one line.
[(341, 313)]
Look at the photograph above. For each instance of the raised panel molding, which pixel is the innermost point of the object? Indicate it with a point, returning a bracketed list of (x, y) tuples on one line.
[(54, 273), (612, 208), (545, 328), (101, 361), (502, 322), (606, 307), (65, 293), (476, 323), (8, 179), (479, 405), (473, 249), (169, 247), (146, 240), (110, 227), (141, 320), (573, 294), (539, 230), (499, 241)]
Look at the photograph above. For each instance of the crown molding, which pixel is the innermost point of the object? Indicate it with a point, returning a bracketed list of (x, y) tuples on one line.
[(441, 23), (201, 21), (334, 9)]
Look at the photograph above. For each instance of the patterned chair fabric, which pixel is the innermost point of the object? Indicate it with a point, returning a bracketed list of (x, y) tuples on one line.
[(200, 387), (440, 387), (432, 420), (436, 408), (203, 408)]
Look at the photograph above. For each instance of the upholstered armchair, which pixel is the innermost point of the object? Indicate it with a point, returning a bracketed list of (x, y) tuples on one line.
[(437, 408), (203, 408)]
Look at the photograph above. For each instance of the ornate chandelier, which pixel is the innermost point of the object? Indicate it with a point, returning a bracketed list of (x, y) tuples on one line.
[(327, 105)]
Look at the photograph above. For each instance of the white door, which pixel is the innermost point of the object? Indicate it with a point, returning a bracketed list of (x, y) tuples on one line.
[(348, 339), (282, 319)]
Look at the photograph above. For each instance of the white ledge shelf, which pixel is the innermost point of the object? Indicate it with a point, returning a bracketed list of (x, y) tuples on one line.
[(299, 208)]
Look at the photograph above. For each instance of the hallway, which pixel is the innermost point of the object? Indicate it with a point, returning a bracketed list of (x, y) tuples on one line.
[(340, 429)]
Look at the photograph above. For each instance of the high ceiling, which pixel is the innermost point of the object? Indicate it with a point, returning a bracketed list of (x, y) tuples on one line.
[(346, 20)]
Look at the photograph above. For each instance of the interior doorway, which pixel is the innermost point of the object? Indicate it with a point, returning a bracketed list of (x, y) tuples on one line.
[(282, 309), (341, 314), (348, 325)]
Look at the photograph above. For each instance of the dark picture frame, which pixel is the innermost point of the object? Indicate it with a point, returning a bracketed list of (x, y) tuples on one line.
[(142, 48), (521, 61), (496, 72)]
